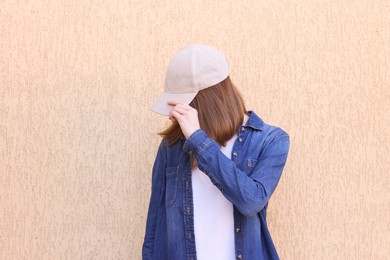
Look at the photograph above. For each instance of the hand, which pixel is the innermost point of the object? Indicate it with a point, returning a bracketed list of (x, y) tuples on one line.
[(186, 116)]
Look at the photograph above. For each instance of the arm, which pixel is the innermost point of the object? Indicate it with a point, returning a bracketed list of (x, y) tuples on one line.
[(249, 194), (156, 202)]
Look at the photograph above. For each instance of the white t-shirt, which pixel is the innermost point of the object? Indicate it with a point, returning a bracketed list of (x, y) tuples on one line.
[(213, 216)]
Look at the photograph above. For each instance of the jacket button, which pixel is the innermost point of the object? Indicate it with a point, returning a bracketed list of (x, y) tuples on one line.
[(238, 230), (239, 257), (242, 128), (235, 154), (240, 139)]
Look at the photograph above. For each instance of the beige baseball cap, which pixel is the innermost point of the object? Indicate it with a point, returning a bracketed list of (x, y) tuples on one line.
[(192, 68)]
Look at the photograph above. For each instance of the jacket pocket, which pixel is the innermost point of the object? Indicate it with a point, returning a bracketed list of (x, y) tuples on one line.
[(249, 165), (171, 185)]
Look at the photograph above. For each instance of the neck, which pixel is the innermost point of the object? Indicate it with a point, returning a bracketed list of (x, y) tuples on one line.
[(245, 119)]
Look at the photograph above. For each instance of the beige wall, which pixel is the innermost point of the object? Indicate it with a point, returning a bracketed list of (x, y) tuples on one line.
[(77, 138)]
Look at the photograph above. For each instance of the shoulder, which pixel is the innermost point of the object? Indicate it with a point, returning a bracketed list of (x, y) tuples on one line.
[(277, 140), (269, 135), (171, 152), (164, 145), (274, 132), (264, 128)]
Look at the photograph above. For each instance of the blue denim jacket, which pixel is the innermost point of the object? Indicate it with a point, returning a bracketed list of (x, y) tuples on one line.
[(247, 180)]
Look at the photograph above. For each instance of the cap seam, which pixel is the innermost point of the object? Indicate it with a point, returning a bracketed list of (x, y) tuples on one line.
[(191, 69)]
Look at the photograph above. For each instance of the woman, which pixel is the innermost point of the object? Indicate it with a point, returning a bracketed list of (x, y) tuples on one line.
[(216, 167)]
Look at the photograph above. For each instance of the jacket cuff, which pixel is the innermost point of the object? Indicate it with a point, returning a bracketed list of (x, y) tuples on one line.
[(197, 142)]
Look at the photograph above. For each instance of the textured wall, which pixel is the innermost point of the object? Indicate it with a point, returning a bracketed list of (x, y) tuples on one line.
[(77, 138)]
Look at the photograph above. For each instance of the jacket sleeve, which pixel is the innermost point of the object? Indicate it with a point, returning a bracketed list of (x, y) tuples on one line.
[(155, 204), (248, 193)]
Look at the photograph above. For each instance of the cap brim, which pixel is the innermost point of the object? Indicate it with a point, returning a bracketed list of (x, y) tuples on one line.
[(161, 105)]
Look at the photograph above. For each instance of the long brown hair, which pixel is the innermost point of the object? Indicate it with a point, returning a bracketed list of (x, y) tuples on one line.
[(221, 112)]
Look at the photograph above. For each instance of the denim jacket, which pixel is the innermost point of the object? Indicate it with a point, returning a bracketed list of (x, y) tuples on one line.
[(247, 180)]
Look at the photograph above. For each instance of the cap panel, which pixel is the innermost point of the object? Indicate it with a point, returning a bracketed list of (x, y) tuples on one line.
[(209, 66), (192, 68), (179, 78)]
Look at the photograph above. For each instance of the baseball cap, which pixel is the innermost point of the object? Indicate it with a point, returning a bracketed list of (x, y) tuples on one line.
[(191, 69)]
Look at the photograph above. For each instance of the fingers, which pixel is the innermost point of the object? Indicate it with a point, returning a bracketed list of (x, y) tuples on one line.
[(179, 104), (186, 116), (181, 110), (180, 107), (177, 113), (174, 102), (172, 118)]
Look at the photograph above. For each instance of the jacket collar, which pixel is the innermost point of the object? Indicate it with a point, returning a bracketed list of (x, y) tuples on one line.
[(254, 121)]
